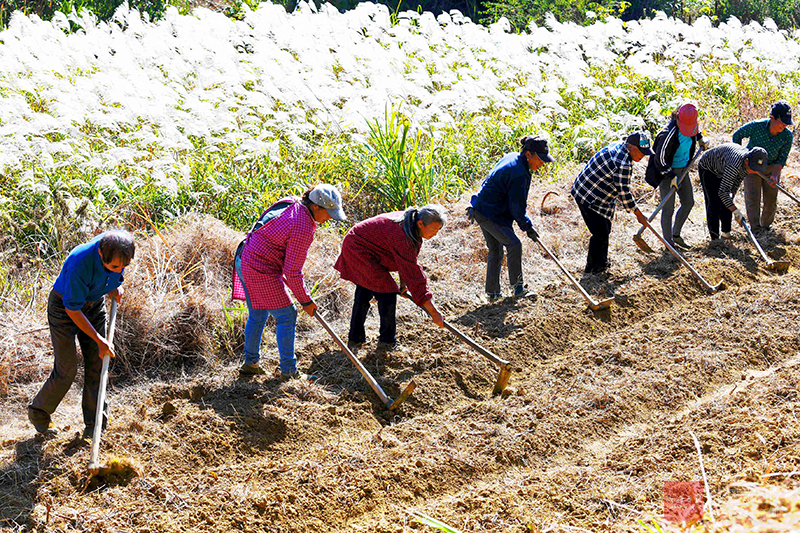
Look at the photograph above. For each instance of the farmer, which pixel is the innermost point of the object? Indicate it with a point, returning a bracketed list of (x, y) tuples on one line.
[(770, 134), (271, 258), (673, 148), (377, 246), (76, 308), (501, 200), (722, 169), (607, 176)]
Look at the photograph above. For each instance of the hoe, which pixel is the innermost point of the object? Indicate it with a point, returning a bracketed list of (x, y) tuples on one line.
[(640, 242), (390, 404), (593, 305), (710, 288), (505, 367), (777, 266)]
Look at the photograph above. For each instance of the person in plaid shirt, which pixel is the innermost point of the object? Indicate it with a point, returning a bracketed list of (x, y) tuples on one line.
[(374, 248), (722, 169), (271, 259), (772, 135), (606, 177)]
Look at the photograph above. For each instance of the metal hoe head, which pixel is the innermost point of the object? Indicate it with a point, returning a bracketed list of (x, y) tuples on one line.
[(403, 396), (502, 379), (718, 287), (602, 304), (642, 244), (778, 266)]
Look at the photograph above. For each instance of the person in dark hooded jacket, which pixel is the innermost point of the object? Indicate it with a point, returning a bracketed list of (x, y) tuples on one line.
[(673, 149)]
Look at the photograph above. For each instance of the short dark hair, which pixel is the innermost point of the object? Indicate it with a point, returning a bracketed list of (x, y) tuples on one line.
[(117, 244)]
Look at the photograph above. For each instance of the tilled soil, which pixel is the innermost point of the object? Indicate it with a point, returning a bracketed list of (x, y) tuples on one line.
[(601, 411)]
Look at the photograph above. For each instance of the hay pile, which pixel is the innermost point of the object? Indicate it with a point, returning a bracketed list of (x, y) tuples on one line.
[(175, 293)]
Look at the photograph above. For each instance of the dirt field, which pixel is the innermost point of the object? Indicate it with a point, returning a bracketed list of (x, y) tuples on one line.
[(600, 412)]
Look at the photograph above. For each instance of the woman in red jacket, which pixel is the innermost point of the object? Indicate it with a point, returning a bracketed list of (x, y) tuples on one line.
[(373, 248)]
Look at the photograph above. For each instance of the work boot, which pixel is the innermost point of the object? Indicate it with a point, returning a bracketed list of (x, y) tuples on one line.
[(41, 422), (354, 346), (251, 370), (384, 346), (494, 297), (286, 376), (680, 242), (725, 234), (521, 291)]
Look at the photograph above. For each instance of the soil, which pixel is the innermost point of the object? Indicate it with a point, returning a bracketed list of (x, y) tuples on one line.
[(602, 408)]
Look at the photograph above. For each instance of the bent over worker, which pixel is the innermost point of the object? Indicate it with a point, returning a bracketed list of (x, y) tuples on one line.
[(76, 308), (771, 135), (722, 169), (377, 246), (271, 259), (606, 177), (502, 200)]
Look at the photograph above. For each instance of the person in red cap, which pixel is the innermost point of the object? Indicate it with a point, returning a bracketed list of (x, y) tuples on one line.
[(673, 148), (771, 135)]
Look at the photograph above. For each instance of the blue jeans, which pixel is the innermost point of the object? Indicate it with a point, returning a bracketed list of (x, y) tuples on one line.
[(286, 318)]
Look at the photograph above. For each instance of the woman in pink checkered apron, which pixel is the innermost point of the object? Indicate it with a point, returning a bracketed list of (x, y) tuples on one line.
[(269, 260)]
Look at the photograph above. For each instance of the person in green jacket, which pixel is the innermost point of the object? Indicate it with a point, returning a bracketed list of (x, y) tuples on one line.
[(770, 134)]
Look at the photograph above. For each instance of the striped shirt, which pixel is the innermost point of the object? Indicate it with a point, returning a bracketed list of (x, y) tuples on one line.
[(273, 258), (606, 177), (757, 134), (727, 162)]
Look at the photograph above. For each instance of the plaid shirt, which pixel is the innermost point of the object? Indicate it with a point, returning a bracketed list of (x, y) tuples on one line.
[(727, 162), (605, 177), (757, 132), (273, 258), (377, 246)]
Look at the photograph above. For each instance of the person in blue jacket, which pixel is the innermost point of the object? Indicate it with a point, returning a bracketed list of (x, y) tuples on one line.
[(76, 308), (502, 200)]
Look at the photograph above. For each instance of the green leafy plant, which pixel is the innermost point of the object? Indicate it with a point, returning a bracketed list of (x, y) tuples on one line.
[(433, 523)]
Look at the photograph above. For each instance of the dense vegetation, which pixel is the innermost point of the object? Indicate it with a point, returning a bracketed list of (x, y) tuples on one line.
[(785, 13)]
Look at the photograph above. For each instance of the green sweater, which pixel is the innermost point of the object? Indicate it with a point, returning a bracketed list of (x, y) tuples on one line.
[(757, 132)]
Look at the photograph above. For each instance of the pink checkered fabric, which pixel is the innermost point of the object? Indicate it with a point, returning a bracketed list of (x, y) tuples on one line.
[(374, 248), (273, 259)]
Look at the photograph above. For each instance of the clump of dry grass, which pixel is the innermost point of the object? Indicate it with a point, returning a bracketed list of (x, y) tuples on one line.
[(176, 290)]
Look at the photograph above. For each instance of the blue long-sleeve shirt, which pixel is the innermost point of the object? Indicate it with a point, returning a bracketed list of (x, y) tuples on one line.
[(503, 196), (83, 277)]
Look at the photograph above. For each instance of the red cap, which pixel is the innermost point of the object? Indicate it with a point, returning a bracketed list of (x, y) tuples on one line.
[(687, 120)]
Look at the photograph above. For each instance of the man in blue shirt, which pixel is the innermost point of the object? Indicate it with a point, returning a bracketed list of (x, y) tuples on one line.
[(75, 308), (501, 200)]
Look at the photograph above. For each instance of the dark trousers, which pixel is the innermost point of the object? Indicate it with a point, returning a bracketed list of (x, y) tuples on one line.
[(387, 305), (716, 212), (63, 332), (600, 228), (497, 237)]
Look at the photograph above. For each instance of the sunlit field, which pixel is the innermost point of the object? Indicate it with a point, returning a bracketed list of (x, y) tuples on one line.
[(136, 123)]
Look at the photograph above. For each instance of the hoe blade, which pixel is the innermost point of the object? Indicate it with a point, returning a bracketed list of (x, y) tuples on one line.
[(602, 304), (403, 396), (778, 266), (642, 244), (718, 287), (502, 379)]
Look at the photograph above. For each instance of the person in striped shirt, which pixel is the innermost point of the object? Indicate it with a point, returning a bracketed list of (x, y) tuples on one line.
[(606, 177), (772, 135), (374, 248), (722, 169), (271, 259)]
